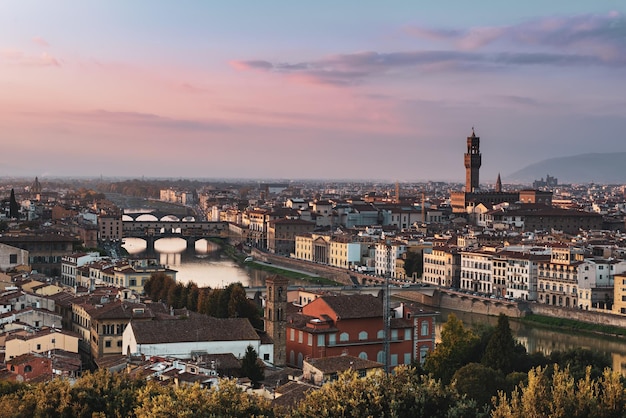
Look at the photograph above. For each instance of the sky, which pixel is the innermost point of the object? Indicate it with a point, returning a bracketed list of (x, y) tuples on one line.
[(306, 90)]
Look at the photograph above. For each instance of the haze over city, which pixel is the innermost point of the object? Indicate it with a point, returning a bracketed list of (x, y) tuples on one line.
[(291, 90)]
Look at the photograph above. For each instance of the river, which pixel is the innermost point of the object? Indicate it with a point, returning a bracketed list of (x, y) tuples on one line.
[(540, 339), (207, 266)]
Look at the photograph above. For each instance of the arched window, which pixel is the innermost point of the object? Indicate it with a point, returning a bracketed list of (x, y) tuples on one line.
[(344, 336), (300, 360), (292, 357), (362, 335), (381, 334), (363, 355), (28, 368), (380, 357)]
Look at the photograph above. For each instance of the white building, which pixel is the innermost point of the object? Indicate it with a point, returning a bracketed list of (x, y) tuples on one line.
[(596, 282), (194, 336), (386, 256), (476, 271), (70, 264)]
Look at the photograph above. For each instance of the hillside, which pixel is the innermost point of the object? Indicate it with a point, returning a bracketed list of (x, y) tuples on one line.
[(603, 168)]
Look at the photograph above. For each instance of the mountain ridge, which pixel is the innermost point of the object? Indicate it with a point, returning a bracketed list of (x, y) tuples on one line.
[(604, 168)]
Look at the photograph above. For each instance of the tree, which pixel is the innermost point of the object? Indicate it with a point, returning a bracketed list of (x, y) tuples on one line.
[(454, 351), (401, 394), (563, 396), (413, 263), (578, 359), (225, 400), (251, 368), (500, 351), (14, 208), (479, 382)]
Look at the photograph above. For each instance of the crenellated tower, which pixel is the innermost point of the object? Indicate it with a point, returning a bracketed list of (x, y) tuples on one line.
[(473, 160)]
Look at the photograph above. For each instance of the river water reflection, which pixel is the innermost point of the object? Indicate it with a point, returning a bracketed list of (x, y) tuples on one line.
[(540, 339), (206, 266)]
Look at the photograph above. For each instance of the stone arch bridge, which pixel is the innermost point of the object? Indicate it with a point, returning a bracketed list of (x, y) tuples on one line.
[(151, 231)]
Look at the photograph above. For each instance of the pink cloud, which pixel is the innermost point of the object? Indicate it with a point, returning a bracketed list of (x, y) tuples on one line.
[(40, 41), (258, 65), (19, 58)]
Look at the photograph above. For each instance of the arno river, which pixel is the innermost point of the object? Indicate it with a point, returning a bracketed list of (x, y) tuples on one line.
[(207, 266)]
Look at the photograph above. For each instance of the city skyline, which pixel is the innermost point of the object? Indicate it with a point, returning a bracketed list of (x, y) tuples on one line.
[(349, 90)]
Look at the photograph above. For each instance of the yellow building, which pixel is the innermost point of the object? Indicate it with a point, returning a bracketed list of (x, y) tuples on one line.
[(442, 267), (47, 339), (619, 294)]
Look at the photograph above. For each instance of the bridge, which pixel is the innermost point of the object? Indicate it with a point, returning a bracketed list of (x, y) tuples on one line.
[(151, 231)]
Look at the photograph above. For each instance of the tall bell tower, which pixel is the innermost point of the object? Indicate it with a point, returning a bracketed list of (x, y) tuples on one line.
[(473, 160), (275, 316)]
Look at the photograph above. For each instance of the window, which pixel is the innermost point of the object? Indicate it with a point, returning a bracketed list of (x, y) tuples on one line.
[(407, 358), (407, 334), (119, 343), (321, 340), (362, 335), (266, 357), (300, 335), (292, 334), (425, 328), (332, 339), (38, 347), (107, 344), (394, 359), (363, 355), (344, 336), (12, 258), (310, 340), (380, 335), (28, 368), (380, 357), (394, 335)]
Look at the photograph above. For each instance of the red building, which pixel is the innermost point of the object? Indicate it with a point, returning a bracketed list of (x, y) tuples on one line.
[(354, 325), (30, 367)]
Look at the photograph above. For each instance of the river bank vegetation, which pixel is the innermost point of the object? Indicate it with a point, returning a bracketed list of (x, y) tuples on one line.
[(573, 325)]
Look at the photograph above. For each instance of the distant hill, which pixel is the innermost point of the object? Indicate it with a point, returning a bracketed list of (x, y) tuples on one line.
[(585, 168)]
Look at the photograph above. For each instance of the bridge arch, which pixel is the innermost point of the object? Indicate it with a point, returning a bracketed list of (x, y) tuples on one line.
[(146, 217), (170, 218), (127, 218)]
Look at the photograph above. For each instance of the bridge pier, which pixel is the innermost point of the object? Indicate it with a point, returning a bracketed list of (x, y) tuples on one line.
[(191, 243), (149, 244)]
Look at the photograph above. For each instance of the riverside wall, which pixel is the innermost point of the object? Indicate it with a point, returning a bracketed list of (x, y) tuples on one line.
[(328, 272), (592, 317), (442, 299)]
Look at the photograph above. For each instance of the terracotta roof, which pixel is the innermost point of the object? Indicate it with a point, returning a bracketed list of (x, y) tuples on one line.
[(341, 363), (291, 393), (198, 329), (353, 306)]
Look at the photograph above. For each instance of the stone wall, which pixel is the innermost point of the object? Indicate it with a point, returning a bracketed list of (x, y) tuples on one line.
[(594, 317), (465, 303), (333, 273)]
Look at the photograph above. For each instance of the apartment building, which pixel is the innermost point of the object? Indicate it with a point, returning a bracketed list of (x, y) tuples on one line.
[(477, 271), (558, 278), (442, 267)]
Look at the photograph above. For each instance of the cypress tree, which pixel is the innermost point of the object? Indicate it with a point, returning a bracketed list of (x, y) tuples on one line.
[(14, 209)]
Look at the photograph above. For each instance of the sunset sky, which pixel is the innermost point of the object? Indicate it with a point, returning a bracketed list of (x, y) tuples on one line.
[(294, 90)]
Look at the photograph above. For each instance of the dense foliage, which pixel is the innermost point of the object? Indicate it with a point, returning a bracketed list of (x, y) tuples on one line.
[(230, 302), (481, 363)]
